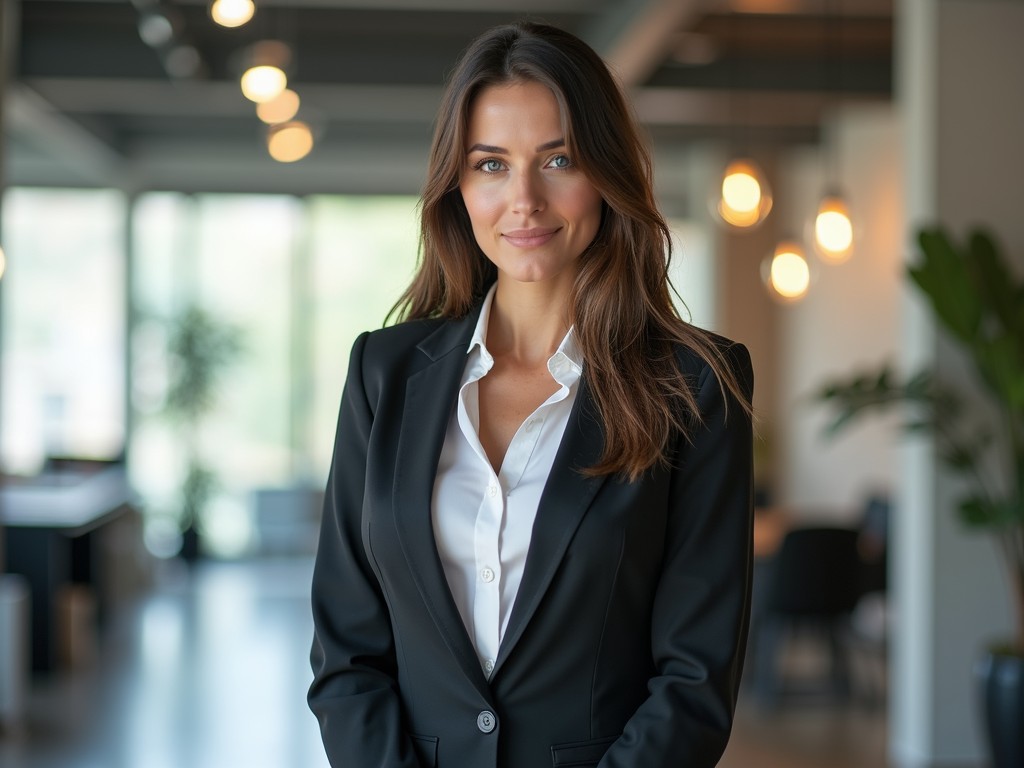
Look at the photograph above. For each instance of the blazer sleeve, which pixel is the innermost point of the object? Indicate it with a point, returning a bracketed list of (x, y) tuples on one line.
[(702, 604), (354, 692)]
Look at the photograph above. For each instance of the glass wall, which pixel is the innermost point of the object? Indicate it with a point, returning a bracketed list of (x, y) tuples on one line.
[(292, 280), (295, 281), (63, 319)]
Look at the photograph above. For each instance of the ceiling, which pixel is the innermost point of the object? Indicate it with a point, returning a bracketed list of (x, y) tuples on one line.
[(90, 103)]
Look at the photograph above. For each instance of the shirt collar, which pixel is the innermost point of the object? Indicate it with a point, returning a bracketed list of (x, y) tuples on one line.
[(568, 350)]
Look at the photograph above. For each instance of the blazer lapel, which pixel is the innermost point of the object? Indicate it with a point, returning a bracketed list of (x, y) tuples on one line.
[(567, 495), (429, 399)]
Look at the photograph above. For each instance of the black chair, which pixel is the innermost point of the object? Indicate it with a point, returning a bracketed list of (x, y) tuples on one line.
[(811, 588)]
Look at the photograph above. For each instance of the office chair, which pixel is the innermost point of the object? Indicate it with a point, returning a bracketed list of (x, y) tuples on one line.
[(812, 586)]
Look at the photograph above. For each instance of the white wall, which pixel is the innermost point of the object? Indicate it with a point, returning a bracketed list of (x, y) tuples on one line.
[(848, 322)]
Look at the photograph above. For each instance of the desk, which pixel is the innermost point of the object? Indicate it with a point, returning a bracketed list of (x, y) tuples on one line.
[(49, 523)]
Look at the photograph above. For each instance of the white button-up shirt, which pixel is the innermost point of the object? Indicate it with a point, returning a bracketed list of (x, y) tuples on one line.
[(483, 521)]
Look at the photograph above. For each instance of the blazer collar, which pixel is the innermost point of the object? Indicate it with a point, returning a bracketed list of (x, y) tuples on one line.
[(429, 399)]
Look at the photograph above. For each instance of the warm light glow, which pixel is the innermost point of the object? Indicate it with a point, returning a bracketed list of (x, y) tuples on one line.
[(3, 262), (741, 192), (744, 200), (263, 83), (833, 231), (289, 142), (789, 275), (232, 13), (280, 109)]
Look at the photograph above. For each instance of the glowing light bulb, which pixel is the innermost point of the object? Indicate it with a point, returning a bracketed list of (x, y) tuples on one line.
[(279, 109), (741, 192), (290, 141), (232, 13), (263, 82), (833, 230), (788, 274), (744, 200)]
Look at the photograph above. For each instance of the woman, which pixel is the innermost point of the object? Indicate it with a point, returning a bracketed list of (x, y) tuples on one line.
[(536, 540)]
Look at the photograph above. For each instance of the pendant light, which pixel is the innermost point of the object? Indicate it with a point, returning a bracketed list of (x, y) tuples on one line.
[(786, 272), (832, 232), (743, 199), (833, 229)]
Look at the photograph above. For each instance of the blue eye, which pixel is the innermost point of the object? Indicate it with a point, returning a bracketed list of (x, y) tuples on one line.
[(490, 165), (561, 161)]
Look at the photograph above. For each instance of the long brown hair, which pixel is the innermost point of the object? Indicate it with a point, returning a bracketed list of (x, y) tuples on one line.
[(620, 305)]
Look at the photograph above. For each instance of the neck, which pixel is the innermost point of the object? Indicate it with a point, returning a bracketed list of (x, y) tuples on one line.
[(528, 321)]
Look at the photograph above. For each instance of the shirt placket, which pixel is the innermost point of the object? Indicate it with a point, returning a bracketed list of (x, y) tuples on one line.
[(487, 602)]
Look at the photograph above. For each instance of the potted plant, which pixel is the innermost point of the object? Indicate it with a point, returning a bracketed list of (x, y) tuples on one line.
[(976, 298), (200, 348)]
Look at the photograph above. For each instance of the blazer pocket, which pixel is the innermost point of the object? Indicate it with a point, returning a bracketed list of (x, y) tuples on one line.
[(425, 748), (580, 753)]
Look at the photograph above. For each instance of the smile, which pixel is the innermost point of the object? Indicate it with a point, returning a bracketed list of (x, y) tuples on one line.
[(529, 238)]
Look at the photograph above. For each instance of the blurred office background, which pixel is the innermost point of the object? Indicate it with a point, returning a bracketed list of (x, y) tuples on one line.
[(183, 278)]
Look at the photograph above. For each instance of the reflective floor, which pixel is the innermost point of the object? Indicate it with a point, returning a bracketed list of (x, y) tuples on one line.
[(210, 669)]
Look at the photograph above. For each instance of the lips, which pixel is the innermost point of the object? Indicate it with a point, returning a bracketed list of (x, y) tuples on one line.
[(529, 238)]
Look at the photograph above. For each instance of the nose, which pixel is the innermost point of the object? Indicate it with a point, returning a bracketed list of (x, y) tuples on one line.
[(527, 192)]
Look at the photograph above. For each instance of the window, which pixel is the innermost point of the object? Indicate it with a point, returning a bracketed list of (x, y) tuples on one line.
[(63, 324)]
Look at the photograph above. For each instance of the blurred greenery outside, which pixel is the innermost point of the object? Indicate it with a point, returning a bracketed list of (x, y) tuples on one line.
[(299, 278)]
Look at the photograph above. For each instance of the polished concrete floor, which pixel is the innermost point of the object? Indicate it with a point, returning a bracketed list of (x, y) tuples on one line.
[(210, 669)]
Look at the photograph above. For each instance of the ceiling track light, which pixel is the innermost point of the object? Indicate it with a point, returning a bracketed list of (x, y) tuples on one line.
[(155, 28), (265, 70), (232, 13), (279, 109), (290, 141)]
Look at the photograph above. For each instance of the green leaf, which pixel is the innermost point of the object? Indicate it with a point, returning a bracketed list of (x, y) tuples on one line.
[(978, 512), (992, 279), (943, 276)]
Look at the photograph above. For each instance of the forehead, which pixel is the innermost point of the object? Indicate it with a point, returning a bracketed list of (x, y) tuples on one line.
[(519, 108)]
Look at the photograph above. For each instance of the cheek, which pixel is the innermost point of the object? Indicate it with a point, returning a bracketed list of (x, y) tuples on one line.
[(481, 203), (587, 207)]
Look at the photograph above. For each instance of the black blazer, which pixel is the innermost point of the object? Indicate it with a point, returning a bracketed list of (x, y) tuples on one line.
[(626, 639)]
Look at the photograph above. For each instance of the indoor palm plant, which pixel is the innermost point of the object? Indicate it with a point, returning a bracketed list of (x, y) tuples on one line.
[(200, 348), (977, 299)]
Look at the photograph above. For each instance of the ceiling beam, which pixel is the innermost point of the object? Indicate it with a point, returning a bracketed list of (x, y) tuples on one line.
[(635, 35), (35, 122), (416, 104)]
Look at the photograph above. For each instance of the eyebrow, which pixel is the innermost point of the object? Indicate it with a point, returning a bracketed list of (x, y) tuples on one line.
[(502, 151)]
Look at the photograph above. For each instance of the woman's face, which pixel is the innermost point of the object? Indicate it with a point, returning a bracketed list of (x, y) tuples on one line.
[(533, 212)]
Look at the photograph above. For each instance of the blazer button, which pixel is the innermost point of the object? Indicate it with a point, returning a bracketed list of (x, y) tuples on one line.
[(486, 721)]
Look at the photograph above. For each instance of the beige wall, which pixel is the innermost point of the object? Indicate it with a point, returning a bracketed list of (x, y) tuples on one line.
[(849, 321)]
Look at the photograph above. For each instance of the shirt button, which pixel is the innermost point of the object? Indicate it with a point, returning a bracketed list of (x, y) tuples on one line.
[(487, 575), (488, 666), (492, 490), (486, 721)]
